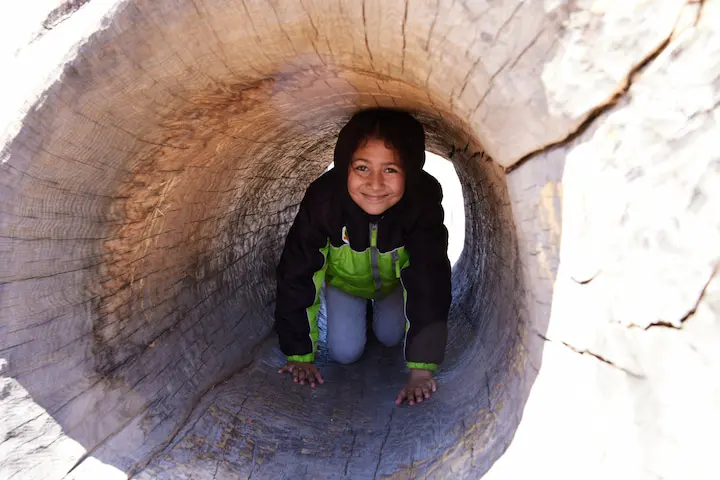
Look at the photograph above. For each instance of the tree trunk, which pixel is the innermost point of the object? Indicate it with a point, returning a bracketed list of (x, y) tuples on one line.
[(153, 158)]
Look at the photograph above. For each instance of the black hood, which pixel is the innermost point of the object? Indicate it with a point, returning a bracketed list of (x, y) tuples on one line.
[(399, 129)]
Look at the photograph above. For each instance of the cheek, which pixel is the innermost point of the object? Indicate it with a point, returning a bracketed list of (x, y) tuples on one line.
[(398, 185), (354, 182)]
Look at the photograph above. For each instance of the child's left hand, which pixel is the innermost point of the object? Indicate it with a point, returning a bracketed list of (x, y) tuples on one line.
[(420, 386)]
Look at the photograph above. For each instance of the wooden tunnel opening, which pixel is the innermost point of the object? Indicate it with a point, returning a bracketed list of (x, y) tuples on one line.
[(149, 198), (152, 157)]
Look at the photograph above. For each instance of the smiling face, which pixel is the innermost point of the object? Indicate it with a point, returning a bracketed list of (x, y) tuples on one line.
[(376, 178)]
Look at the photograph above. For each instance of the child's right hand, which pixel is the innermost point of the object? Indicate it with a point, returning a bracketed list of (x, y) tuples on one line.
[(302, 372)]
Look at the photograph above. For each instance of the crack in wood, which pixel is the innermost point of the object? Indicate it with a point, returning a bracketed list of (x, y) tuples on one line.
[(474, 17), (487, 387), (692, 310), (258, 38), (382, 445), (491, 85), (254, 460), (471, 70), (352, 451), (507, 22), (217, 467), (593, 355), (432, 28), (404, 38), (528, 47), (367, 44), (280, 26), (602, 108), (310, 19), (109, 437)]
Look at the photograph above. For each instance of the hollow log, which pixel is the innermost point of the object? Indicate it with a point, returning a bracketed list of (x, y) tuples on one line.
[(152, 158)]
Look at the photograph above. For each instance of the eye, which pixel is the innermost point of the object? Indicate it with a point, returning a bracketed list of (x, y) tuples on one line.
[(361, 168), (391, 170)]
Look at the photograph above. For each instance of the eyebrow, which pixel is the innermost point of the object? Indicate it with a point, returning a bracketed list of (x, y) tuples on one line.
[(360, 159)]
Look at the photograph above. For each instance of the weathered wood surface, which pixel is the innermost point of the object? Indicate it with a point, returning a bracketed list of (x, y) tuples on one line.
[(153, 155)]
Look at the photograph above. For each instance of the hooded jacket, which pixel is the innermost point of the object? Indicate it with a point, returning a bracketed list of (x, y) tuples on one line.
[(333, 240)]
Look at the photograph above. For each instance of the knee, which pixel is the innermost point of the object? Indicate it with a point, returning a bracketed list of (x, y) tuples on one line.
[(388, 337), (346, 348), (347, 355)]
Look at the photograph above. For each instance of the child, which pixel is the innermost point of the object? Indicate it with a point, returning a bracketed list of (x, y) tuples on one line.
[(370, 228)]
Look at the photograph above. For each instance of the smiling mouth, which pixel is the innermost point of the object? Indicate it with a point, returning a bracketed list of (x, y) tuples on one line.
[(374, 198)]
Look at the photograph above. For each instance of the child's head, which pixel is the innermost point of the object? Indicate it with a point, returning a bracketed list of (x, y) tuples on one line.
[(380, 150)]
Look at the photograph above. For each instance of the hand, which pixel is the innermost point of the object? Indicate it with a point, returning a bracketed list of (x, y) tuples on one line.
[(302, 372), (419, 387)]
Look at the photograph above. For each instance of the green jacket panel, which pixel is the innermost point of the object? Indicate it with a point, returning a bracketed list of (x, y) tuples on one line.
[(351, 271)]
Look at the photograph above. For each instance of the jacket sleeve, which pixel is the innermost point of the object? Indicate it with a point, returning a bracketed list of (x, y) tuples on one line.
[(300, 275), (427, 288)]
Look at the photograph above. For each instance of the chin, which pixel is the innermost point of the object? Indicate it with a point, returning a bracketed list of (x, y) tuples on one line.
[(374, 210)]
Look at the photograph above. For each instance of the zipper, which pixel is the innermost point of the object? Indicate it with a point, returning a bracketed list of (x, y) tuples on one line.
[(396, 263), (374, 259)]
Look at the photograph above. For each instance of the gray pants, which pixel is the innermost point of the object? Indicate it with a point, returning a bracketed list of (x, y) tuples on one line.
[(346, 334)]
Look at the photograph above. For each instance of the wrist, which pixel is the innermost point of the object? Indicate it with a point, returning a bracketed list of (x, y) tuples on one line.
[(417, 374)]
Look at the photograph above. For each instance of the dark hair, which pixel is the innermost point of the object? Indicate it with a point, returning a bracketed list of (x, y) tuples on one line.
[(398, 129)]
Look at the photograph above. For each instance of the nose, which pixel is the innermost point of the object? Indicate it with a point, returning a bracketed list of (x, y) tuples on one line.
[(375, 180)]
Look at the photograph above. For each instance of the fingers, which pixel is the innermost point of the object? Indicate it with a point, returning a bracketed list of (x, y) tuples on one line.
[(303, 373), (311, 377), (416, 392), (410, 395), (315, 376)]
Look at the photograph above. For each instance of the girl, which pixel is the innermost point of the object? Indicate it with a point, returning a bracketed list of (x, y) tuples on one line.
[(370, 228)]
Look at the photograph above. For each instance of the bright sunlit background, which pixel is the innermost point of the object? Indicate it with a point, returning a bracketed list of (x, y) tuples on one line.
[(453, 204)]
